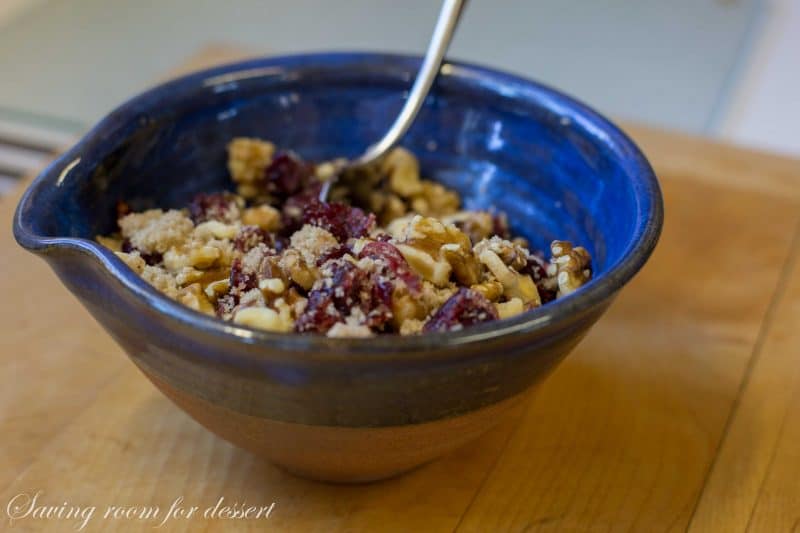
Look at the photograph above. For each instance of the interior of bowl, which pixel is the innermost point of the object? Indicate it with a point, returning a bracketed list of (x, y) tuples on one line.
[(557, 169)]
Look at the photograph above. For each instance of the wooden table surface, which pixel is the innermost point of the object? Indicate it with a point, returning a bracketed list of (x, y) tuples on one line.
[(680, 410)]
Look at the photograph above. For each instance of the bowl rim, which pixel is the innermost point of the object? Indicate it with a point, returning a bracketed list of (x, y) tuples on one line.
[(647, 194)]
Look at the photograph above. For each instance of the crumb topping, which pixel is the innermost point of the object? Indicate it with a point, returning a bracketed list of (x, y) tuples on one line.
[(390, 253)]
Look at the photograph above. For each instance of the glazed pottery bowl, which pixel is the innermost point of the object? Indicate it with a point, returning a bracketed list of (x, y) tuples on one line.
[(347, 409)]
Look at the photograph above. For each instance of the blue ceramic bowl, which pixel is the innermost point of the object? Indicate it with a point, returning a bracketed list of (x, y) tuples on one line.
[(348, 409)]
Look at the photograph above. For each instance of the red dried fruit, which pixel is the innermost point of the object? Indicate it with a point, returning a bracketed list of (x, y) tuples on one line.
[(380, 306), (248, 238), (465, 308), (287, 175), (242, 279), (320, 314), (225, 305), (293, 207), (536, 268), (348, 283), (343, 221), (151, 259), (331, 303), (396, 264), (221, 206), (334, 253), (349, 288)]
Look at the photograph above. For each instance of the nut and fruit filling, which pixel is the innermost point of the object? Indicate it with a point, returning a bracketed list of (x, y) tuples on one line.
[(390, 253)]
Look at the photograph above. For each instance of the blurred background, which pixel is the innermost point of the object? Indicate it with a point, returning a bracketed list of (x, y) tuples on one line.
[(728, 69)]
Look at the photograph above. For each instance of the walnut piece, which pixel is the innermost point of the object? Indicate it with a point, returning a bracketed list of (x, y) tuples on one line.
[(263, 318), (264, 216), (572, 265), (499, 256), (248, 159), (342, 329), (434, 250), (403, 170)]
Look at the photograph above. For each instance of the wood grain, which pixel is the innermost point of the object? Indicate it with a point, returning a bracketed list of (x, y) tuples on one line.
[(628, 427), (755, 477), (677, 411)]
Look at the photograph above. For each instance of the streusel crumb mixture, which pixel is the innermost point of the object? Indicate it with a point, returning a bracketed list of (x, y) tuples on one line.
[(390, 253)]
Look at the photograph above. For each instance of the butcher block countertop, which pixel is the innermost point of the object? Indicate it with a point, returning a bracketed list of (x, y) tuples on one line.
[(680, 410)]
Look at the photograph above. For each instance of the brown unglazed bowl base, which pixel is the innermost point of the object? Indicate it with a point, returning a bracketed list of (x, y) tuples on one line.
[(340, 454)]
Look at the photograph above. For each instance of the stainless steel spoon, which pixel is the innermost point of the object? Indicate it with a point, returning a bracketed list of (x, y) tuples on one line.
[(442, 35)]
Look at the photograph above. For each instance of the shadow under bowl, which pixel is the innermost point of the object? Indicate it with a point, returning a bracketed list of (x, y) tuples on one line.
[(348, 409)]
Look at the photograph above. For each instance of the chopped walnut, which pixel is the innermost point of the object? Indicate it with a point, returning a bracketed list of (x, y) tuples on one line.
[(264, 216), (478, 225), (491, 289), (214, 229), (572, 265), (263, 318), (194, 297), (434, 250), (296, 268), (435, 200), (515, 285), (248, 159), (403, 170), (510, 253), (412, 326), (215, 289), (342, 329), (112, 243), (512, 307)]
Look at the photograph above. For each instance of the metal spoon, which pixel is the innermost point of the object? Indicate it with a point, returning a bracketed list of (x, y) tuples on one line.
[(442, 35)]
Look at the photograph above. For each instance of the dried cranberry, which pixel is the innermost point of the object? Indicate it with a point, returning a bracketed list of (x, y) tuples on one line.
[(287, 175), (293, 207), (349, 288), (221, 206), (225, 305), (331, 303), (248, 238), (343, 221), (334, 253), (465, 308), (396, 264), (151, 259), (348, 282), (380, 306), (320, 314), (241, 279), (536, 268)]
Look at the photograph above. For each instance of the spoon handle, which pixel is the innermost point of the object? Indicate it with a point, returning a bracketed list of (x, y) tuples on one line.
[(442, 35)]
